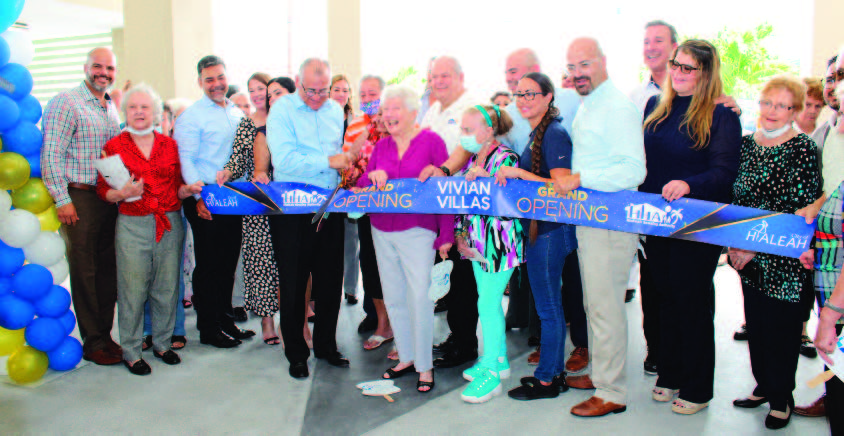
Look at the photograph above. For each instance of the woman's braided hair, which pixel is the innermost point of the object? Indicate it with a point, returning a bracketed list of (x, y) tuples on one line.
[(551, 113)]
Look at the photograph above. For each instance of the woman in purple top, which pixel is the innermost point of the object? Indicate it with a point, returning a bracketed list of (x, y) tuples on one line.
[(404, 243)]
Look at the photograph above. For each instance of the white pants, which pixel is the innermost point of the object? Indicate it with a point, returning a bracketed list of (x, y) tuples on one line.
[(605, 257), (405, 260)]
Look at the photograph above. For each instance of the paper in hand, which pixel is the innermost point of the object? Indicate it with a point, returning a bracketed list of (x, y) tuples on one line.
[(477, 256), (115, 173)]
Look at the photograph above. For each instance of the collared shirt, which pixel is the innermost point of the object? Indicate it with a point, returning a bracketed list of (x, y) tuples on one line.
[(446, 122), (567, 101), (644, 92), (819, 136), (205, 133), (301, 140), (161, 173), (833, 161), (76, 128), (424, 105), (609, 151)]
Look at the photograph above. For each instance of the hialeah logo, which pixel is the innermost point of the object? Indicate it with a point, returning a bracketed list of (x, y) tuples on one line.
[(228, 201), (298, 197), (759, 233), (646, 213)]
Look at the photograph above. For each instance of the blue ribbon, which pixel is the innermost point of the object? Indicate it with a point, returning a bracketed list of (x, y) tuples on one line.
[(626, 211)]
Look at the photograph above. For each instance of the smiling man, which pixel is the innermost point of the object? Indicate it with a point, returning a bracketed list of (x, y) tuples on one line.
[(205, 134), (660, 41), (77, 124)]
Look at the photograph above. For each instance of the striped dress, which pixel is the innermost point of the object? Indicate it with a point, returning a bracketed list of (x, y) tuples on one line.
[(829, 239)]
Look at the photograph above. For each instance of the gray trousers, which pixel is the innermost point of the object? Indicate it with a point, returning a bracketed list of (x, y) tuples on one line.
[(351, 258), (405, 260), (146, 270)]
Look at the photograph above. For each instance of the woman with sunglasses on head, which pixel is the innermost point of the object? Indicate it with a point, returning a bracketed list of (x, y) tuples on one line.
[(692, 148), (548, 155), (778, 172)]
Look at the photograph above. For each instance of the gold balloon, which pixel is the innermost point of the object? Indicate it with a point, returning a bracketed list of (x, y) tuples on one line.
[(32, 196), (10, 340), (14, 171), (27, 365), (1, 143), (49, 219)]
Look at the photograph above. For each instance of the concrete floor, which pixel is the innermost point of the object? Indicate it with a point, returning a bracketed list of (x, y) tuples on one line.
[(247, 390)]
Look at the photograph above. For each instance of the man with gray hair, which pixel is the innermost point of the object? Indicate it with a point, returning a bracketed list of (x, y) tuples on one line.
[(304, 137), (77, 124)]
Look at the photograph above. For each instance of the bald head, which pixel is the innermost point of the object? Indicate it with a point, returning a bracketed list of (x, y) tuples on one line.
[(446, 80), (587, 65), (519, 63), (100, 69)]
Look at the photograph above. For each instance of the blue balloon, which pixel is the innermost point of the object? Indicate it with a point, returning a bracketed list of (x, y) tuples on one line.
[(44, 334), (32, 282), (10, 10), (68, 321), (15, 313), (30, 108), (67, 355), (18, 81), (5, 285), (24, 139), (54, 304), (34, 165), (9, 113), (11, 259), (5, 52)]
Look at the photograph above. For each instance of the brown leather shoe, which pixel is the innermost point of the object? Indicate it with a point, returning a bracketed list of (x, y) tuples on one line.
[(580, 382), (595, 406), (814, 410), (533, 358), (578, 360), (114, 349), (102, 357)]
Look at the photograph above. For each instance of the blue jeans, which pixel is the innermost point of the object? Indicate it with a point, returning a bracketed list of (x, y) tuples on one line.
[(545, 259), (179, 328)]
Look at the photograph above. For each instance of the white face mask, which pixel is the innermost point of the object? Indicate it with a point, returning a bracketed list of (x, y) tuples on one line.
[(136, 132), (771, 134)]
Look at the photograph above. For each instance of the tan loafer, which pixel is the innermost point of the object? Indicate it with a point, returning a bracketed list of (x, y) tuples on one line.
[(595, 406)]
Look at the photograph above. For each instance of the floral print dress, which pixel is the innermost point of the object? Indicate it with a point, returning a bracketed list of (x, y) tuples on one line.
[(498, 239)]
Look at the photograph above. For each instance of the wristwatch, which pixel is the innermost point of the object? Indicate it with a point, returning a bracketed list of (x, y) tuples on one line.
[(445, 170)]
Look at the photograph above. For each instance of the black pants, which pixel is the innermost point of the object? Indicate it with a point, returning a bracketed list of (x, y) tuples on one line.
[(774, 328), (834, 401), (217, 247), (301, 251), (650, 307), (462, 303), (573, 301), (368, 267), (518, 308), (683, 286)]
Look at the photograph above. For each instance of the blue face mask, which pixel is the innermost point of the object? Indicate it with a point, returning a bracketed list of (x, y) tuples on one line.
[(370, 108), (470, 144)]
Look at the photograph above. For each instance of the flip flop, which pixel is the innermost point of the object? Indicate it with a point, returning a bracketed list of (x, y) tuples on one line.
[(375, 341), (272, 341), (393, 355)]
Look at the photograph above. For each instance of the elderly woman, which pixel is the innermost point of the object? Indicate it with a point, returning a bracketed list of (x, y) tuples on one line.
[(692, 145), (149, 229), (778, 172), (807, 119), (493, 244), (405, 243)]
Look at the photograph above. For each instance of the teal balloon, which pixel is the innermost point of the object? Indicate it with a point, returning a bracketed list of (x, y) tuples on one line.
[(5, 52), (18, 81), (66, 356), (10, 10), (30, 109), (24, 139)]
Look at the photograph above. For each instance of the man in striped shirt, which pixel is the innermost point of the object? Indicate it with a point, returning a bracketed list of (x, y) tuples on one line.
[(77, 123)]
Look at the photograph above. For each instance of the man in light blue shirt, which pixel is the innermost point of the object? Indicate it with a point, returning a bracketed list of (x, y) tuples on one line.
[(608, 155), (305, 138), (205, 133)]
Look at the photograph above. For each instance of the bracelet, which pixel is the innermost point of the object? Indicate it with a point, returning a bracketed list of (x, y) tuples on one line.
[(833, 307), (445, 170)]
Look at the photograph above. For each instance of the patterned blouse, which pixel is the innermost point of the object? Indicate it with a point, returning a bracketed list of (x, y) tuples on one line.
[(829, 240), (498, 239), (783, 178), (242, 161)]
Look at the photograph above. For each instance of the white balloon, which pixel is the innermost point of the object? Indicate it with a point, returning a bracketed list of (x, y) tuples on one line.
[(5, 204), (47, 249), (20, 228), (59, 271), (20, 46)]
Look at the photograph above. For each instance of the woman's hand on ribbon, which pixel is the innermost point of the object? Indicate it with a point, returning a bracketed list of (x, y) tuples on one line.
[(261, 177), (430, 171), (475, 172), (223, 177), (378, 178), (675, 190), (566, 183), (505, 173)]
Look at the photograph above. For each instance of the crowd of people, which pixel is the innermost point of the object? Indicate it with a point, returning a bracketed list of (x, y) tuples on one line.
[(676, 135)]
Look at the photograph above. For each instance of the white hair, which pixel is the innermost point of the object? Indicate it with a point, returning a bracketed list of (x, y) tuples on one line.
[(307, 62), (408, 97), (157, 105)]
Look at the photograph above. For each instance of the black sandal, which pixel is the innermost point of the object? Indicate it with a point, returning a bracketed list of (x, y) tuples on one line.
[(147, 343), (423, 384), (178, 339), (392, 373)]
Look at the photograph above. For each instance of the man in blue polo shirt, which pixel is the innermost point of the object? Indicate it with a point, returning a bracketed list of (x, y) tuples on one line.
[(305, 139)]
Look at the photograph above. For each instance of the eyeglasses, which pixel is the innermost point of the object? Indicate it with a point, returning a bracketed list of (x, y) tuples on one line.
[(685, 69), (310, 92), (767, 104), (529, 96)]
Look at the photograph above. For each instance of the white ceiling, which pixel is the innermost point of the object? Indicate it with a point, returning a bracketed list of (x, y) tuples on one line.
[(56, 18)]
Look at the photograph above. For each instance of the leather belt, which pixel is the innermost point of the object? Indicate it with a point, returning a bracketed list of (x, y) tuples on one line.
[(82, 186)]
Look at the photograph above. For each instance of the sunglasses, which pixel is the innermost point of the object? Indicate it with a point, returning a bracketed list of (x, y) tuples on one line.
[(685, 69)]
